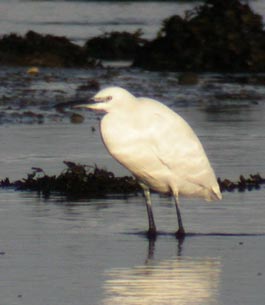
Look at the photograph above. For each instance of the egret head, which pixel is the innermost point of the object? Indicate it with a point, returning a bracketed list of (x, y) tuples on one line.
[(110, 99)]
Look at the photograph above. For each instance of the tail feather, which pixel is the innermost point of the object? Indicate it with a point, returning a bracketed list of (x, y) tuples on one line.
[(216, 193)]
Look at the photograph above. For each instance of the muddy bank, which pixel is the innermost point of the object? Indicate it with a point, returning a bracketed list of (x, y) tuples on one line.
[(79, 180), (48, 96), (44, 96)]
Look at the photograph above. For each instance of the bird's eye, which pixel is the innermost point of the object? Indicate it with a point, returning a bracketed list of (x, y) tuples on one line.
[(109, 98)]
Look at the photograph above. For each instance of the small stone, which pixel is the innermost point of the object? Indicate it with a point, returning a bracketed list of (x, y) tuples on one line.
[(33, 71), (77, 118)]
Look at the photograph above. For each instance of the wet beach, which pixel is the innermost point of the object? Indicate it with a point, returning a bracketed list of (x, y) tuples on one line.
[(94, 250)]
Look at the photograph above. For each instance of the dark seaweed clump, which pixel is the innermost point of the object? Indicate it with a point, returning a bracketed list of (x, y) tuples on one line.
[(218, 36), (115, 45), (253, 182), (79, 181), (35, 49), (75, 181)]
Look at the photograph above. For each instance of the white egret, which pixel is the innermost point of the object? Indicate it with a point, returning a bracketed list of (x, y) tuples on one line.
[(157, 145)]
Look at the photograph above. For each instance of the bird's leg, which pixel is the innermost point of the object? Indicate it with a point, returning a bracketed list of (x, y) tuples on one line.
[(181, 232), (152, 227)]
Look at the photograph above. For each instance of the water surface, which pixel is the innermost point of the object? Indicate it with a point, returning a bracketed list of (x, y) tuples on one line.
[(94, 251)]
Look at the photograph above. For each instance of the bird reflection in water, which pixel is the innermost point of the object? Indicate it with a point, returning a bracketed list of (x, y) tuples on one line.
[(180, 280)]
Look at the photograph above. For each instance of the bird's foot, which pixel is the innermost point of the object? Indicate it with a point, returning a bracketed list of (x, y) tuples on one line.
[(152, 233), (180, 234)]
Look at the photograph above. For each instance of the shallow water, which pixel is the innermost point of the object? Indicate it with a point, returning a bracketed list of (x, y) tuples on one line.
[(95, 251), (228, 116)]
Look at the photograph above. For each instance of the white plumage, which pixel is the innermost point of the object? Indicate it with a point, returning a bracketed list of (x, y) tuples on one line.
[(157, 146)]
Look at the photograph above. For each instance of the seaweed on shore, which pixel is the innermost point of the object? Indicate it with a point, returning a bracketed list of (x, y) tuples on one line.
[(79, 181), (34, 49), (76, 180), (253, 182), (215, 36), (114, 45)]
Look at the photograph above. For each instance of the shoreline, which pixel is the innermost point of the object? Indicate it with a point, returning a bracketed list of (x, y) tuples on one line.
[(217, 36)]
